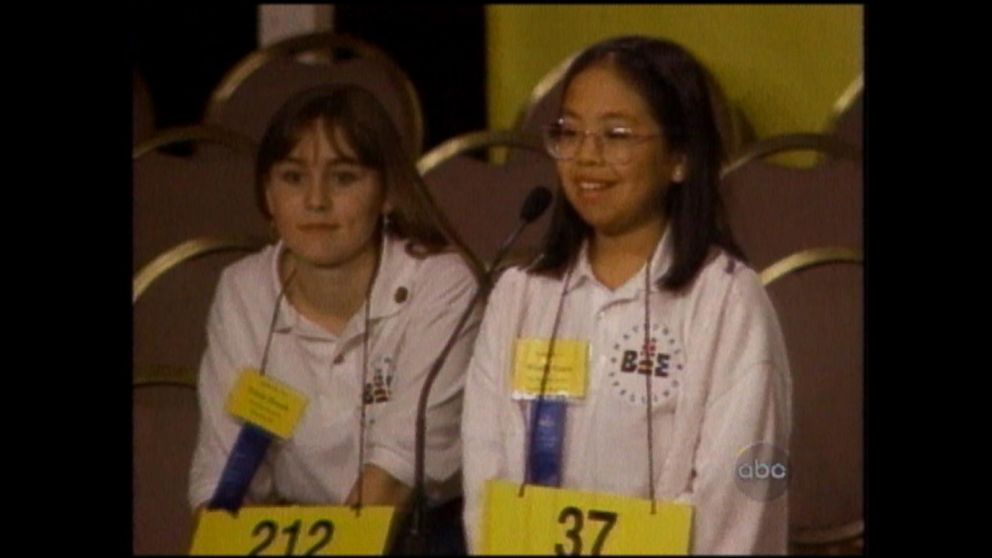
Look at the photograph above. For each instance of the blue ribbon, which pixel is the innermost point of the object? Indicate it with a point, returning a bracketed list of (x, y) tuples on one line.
[(245, 458), (548, 420)]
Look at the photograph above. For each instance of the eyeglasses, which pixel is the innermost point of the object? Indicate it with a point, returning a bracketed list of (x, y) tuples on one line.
[(616, 144)]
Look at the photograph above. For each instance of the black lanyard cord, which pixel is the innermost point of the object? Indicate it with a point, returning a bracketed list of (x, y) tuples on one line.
[(365, 354), (649, 361), (272, 322), (361, 390)]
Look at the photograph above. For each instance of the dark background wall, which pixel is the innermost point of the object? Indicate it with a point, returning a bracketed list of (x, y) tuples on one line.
[(443, 50), (182, 52)]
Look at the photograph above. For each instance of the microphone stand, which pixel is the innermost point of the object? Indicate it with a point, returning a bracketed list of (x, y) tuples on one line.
[(416, 542)]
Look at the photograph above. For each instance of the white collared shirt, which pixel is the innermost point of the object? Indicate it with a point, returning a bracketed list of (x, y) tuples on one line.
[(724, 385), (415, 306)]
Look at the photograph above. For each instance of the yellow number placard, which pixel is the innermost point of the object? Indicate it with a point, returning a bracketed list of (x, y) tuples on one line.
[(266, 403), (566, 376), (294, 531), (555, 521)]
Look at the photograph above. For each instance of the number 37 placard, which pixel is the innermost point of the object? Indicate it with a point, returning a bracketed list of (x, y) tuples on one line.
[(571, 523)]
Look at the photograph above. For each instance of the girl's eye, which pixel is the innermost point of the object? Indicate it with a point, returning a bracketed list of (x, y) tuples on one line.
[(291, 176), (344, 178), (618, 134)]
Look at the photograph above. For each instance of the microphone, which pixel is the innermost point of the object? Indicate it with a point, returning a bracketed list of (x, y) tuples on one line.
[(537, 201), (534, 206)]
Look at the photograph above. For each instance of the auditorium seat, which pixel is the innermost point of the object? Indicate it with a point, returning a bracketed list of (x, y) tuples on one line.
[(802, 228), (847, 121), (165, 421), (192, 181), (482, 196), (206, 193), (251, 92)]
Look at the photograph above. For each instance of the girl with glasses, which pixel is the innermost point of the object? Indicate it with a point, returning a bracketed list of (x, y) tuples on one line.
[(681, 362)]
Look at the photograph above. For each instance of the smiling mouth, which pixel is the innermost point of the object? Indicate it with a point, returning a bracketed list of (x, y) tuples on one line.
[(590, 186)]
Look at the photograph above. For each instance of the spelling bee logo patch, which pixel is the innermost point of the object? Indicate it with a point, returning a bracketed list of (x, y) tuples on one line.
[(630, 361), (378, 389)]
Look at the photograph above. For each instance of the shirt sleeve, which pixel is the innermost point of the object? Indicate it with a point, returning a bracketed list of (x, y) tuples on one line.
[(443, 295), (229, 351), (748, 403), (481, 421)]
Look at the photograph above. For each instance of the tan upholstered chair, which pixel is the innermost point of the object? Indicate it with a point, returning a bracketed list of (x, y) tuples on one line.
[(193, 215), (775, 210), (847, 120), (171, 299), (208, 192), (482, 197), (818, 297), (176, 199), (251, 92), (802, 227), (164, 434)]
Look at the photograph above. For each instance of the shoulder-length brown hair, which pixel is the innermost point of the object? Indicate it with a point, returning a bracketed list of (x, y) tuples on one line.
[(370, 132)]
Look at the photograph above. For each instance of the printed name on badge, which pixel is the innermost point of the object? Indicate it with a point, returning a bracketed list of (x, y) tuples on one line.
[(266, 403), (566, 377)]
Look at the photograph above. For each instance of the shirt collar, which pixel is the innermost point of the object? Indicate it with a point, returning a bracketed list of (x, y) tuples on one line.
[(390, 293), (661, 260)]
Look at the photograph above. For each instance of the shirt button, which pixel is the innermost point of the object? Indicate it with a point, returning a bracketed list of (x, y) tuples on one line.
[(339, 359)]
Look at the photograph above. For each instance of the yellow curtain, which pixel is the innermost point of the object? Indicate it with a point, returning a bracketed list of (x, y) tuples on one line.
[(783, 65)]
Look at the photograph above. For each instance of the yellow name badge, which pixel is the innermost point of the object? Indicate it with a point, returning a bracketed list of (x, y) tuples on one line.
[(566, 522), (266, 403), (294, 531), (567, 376)]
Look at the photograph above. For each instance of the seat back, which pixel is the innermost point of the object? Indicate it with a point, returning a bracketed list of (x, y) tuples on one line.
[(254, 89), (193, 215), (803, 228), (165, 422), (481, 198), (847, 122)]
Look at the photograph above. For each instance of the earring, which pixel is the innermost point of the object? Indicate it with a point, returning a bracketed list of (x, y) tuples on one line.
[(678, 175)]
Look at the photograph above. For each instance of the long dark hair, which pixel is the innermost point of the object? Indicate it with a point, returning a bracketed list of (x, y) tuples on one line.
[(368, 129), (674, 86)]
